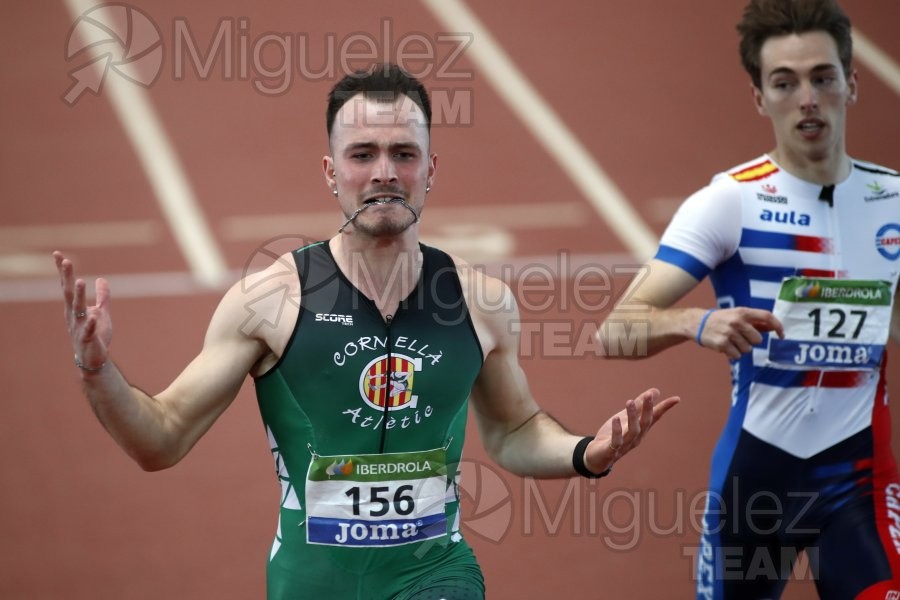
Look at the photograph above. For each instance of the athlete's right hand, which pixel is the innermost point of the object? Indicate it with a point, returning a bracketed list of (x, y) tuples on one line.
[(90, 327), (734, 331)]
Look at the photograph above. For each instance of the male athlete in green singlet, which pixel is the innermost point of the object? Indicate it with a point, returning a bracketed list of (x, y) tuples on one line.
[(364, 388)]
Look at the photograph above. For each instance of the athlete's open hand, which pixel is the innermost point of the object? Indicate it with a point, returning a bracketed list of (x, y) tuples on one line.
[(90, 327), (614, 440), (734, 331)]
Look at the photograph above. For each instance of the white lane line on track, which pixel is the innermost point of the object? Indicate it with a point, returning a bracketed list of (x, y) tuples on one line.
[(175, 283), (259, 227), (543, 122), (27, 264), (79, 235), (162, 168), (877, 61), (137, 285)]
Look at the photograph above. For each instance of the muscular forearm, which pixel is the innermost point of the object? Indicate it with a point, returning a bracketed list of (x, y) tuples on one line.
[(644, 331), (133, 418), (540, 448)]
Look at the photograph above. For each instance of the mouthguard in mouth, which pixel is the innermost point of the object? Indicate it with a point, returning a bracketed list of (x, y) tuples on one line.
[(378, 202)]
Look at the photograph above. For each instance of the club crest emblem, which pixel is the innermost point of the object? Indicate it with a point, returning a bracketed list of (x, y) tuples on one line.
[(382, 384)]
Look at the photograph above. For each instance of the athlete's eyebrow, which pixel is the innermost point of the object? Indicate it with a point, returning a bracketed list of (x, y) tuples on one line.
[(816, 69), (393, 147), (408, 146)]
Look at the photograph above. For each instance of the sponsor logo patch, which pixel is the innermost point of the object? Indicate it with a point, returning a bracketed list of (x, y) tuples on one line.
[(786, 217), (329, 318), (770, 194), (887, 241), (879, 192)]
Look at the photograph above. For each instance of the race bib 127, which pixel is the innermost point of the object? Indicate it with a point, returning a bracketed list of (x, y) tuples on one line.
[(831, 324)]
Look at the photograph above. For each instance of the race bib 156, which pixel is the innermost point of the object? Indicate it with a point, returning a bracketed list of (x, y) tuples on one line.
[(371, 500)]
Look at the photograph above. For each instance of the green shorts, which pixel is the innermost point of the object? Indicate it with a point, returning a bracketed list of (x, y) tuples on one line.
[(421, 571)]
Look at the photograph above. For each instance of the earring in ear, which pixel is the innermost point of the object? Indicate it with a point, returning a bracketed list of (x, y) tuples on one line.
[(334, 192), (427, 188)]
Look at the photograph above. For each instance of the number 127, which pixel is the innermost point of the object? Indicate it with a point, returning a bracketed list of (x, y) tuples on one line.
[(838, 330)]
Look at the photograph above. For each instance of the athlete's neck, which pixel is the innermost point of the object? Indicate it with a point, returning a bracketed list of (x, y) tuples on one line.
[(385, 269), (825, 170)]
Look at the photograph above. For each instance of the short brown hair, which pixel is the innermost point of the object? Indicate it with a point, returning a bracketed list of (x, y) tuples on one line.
[(384, 82), (763, 19)]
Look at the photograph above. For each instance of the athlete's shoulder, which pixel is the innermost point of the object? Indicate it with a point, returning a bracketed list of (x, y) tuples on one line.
[(491, 304), (874, 169), (484, 293), (257, 307), (472, 279), (479, 288), (878, 185), (727, 184), (280, 272), (723, 189), (753, 170)]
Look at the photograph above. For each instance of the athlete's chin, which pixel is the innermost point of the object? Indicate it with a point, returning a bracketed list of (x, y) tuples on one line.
[(384, 228), (809, 151), (818, 152)]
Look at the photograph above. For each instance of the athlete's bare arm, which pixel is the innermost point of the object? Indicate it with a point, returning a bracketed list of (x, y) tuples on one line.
[(644, 322), (516, 433), (157, 431)]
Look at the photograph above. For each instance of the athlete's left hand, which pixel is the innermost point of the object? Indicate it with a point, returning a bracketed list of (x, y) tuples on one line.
[(613, 440)]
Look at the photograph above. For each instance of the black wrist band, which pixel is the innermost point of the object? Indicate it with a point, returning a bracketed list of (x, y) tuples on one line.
[(578, 460)]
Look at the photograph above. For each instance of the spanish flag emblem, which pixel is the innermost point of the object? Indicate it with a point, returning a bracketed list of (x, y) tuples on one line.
[(755, 172)]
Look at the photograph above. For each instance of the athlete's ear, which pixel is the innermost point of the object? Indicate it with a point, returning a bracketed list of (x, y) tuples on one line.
[(432, 170), (853, 88), (330, 175), (758, 100)]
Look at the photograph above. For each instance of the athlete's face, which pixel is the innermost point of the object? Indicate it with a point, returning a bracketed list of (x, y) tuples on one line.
[(380, 150), (806, 94)]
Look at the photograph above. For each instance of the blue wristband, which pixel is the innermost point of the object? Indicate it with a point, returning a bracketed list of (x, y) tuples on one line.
[(703, 324)]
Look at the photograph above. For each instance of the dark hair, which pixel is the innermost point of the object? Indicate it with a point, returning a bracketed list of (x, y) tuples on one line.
[(769, 18), (383, 83)]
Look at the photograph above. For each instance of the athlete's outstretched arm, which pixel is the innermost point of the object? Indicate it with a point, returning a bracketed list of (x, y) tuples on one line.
[(516, 433), (644, 322), (156, 431)]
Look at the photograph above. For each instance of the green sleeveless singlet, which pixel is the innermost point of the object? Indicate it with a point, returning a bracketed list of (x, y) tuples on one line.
[(366, 420)]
